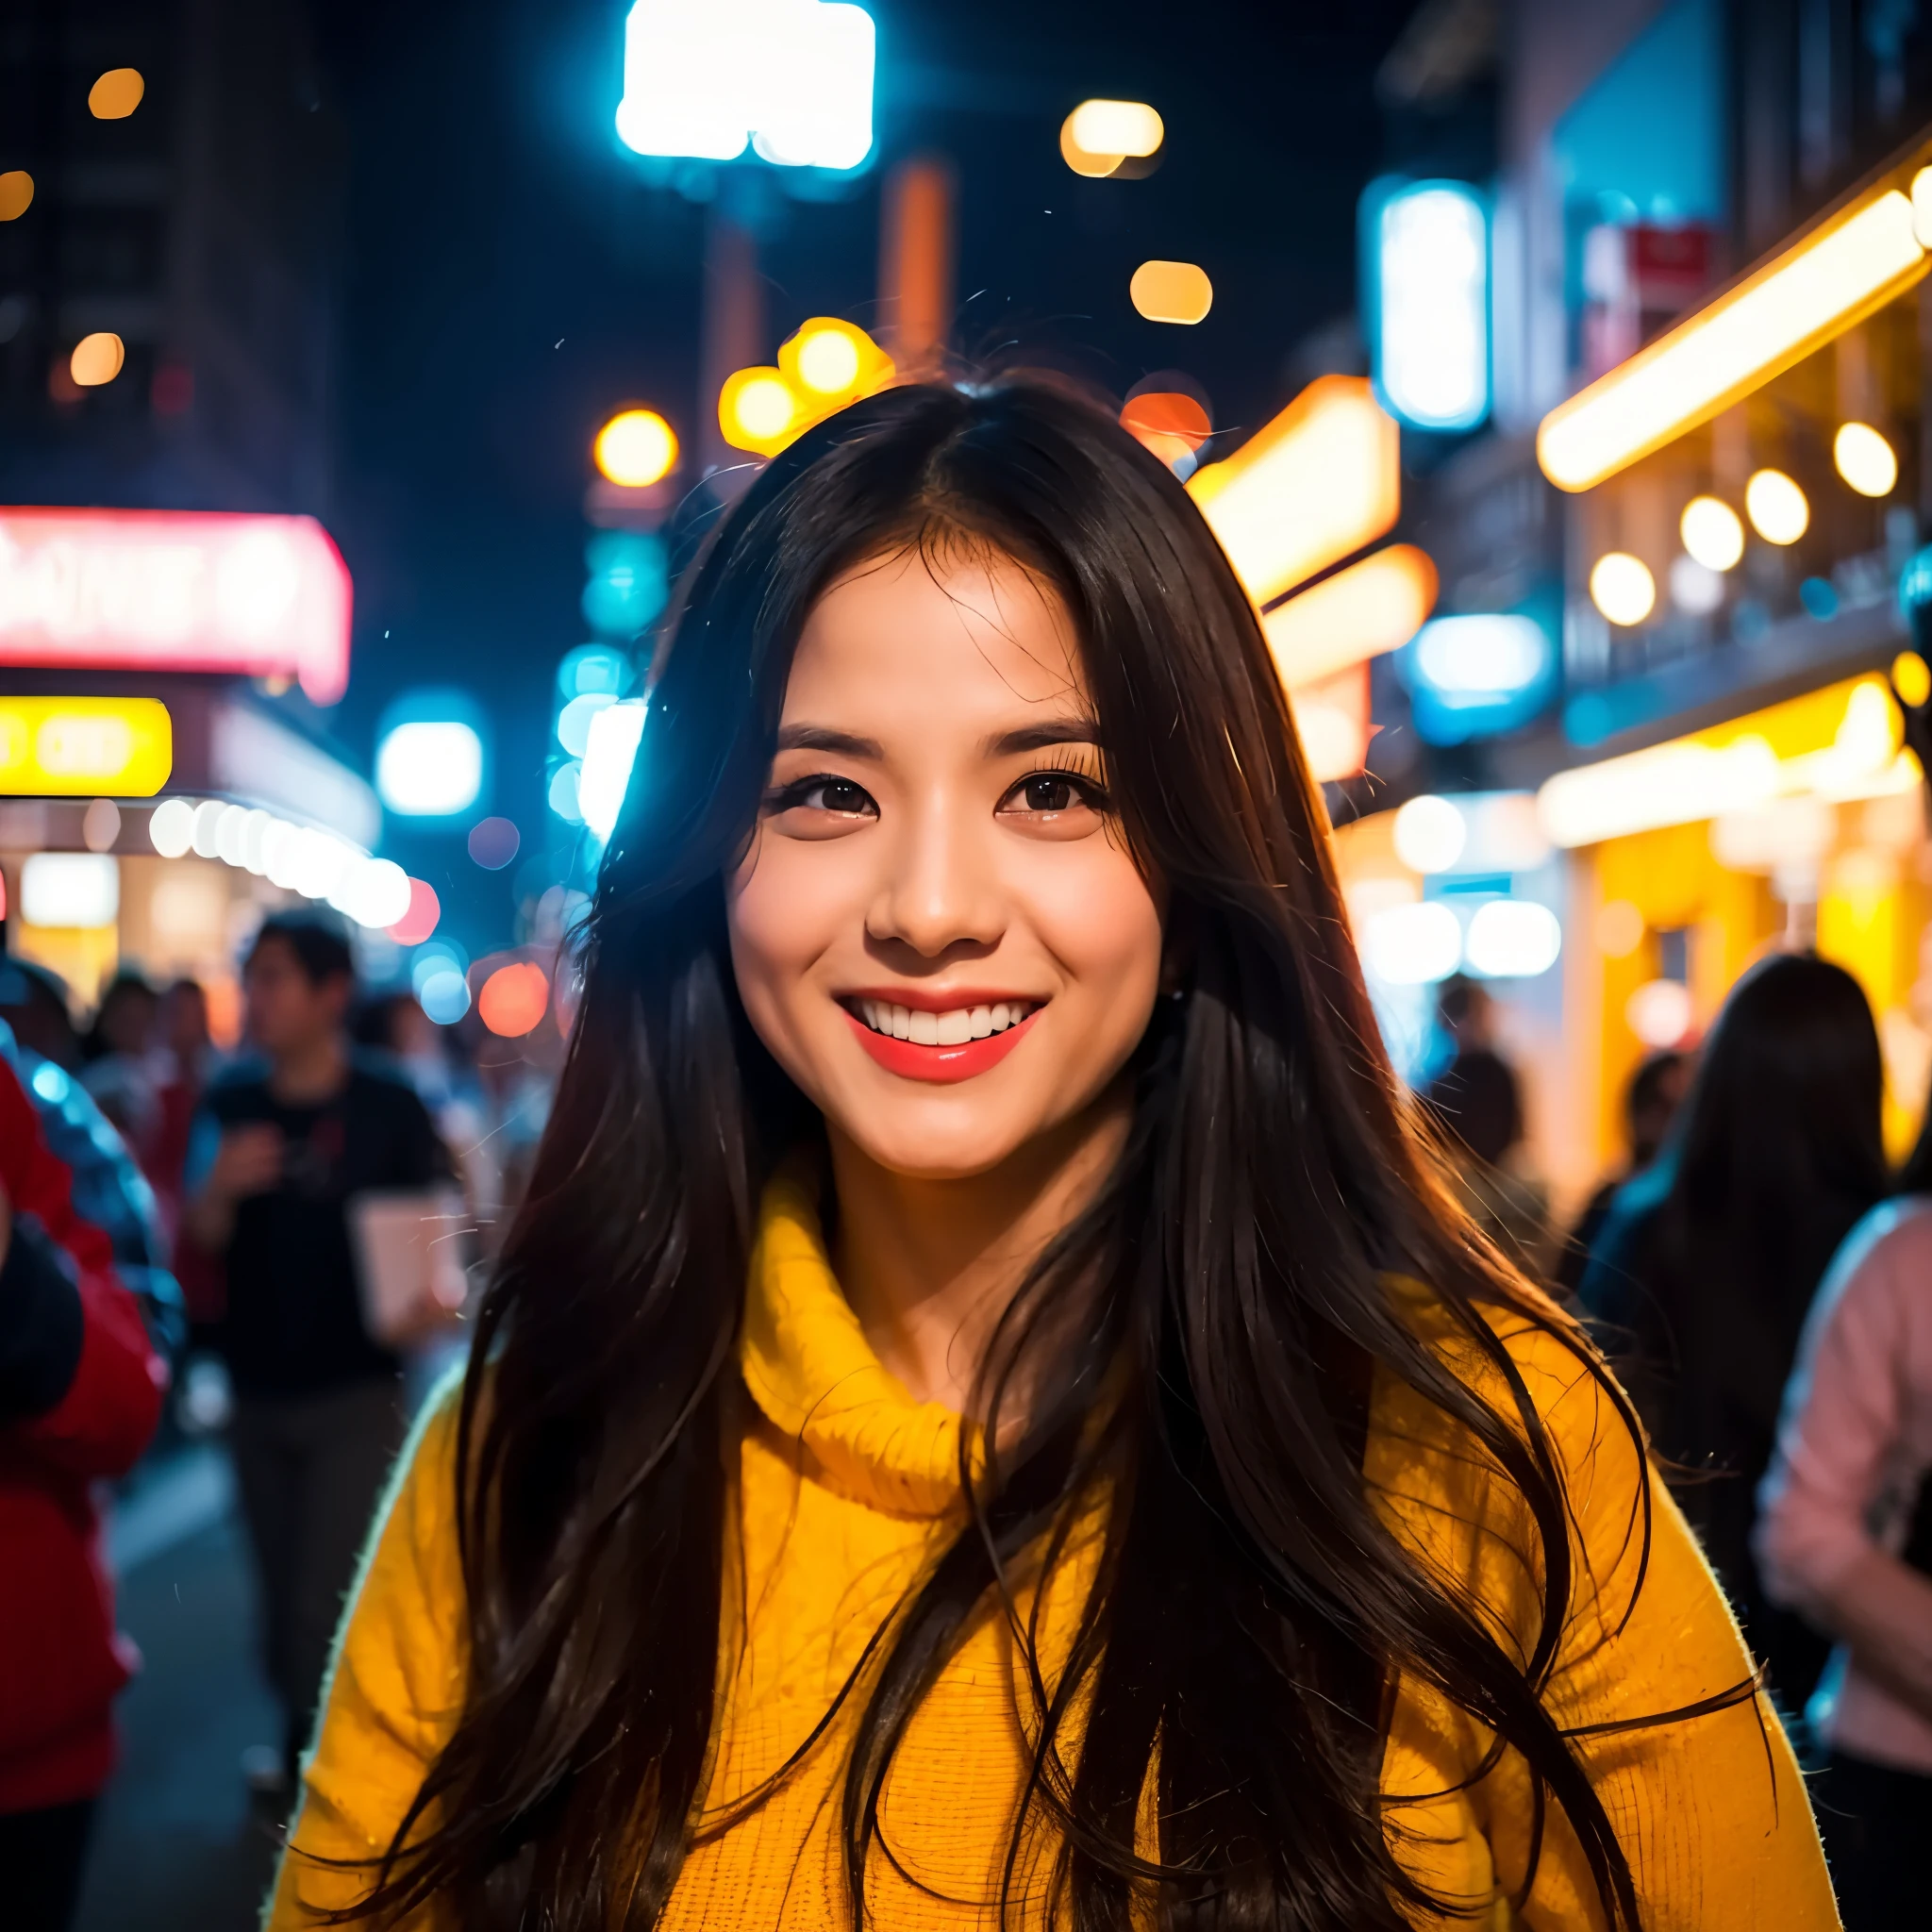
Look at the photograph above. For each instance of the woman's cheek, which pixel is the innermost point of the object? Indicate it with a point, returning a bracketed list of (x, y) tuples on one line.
[(1098, 917), (784, 912)]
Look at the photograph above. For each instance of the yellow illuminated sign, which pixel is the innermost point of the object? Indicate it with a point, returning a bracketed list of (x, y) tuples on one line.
[(1815, 291), (1841, 744), (1319, 480), (85, 747)]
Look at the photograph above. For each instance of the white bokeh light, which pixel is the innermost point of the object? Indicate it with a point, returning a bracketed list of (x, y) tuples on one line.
[(1412, 945)]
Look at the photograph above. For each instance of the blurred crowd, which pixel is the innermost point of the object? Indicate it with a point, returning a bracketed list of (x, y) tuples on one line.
[(275, 1246), (277, 1243), (1761, 1277)]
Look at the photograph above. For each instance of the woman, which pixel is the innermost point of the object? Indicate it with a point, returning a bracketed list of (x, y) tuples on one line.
[(1708, 1261), (1846, 1538), (1122, 1490)]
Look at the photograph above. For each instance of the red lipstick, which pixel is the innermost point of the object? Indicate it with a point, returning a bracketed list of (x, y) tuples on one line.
[(941, 1066)]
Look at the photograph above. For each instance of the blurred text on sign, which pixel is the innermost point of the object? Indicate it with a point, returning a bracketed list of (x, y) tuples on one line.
[(259, 596)]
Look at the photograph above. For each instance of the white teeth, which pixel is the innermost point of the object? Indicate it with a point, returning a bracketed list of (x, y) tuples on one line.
[(952, 1028)]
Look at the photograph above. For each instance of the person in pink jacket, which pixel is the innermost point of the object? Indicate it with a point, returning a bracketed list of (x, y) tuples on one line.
[(1845, 1536)]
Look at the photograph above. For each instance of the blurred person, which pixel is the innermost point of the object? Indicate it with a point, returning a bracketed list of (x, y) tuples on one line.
[(34, 1002), (124, 1020), (80, 1392), (1477, 1102), (106, 1185), (1846, 1537), (281, 1145), (991, 1413), (395, 1023), (183, 1057), (1651, 1100), (1709, 1260), (116, 1068)]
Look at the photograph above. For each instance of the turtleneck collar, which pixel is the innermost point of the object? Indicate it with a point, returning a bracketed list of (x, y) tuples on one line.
[(811, 1369)]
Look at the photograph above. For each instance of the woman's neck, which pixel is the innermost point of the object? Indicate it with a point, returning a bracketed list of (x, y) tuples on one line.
[(929, 1266)]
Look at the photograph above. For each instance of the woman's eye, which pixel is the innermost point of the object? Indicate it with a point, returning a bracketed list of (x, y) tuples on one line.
[(824, 792), (1050, 794)]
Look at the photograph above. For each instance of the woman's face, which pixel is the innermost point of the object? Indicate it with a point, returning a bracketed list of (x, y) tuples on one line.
[(937, 928)]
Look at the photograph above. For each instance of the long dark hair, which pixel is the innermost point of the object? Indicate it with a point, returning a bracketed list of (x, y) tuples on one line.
[(1776, 1152), (1252, 1610)]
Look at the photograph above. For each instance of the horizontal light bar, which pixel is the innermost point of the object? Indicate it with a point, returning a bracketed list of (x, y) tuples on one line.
[(1815, 291), (85, 747), (1689, 779), (1372, 606), (1320, 481)]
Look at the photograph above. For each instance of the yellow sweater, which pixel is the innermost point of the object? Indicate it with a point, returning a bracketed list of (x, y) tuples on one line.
[(845, 1483)]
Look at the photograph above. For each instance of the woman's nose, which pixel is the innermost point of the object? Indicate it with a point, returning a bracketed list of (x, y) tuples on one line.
[(939, 887)]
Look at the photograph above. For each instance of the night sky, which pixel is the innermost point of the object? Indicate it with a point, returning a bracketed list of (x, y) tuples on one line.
[(511, 277)]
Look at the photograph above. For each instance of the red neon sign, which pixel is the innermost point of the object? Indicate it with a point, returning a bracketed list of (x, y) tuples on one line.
[(176, 591)]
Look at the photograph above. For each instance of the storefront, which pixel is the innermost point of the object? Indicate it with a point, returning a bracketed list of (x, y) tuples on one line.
[(156, 797), (1741, 508)]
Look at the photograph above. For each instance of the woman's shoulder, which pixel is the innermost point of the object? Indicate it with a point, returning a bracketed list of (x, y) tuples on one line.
[(1525, 1356), (1528, 1370), (423, 1489), (411, 1570)]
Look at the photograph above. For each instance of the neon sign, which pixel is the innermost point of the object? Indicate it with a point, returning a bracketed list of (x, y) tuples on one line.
[(119, 748), (260, 596)]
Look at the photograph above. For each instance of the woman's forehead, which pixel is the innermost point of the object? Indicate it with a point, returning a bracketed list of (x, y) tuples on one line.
[(946, 630)]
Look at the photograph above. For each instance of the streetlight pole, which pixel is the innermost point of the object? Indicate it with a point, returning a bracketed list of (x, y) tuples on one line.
[(916, 264), (734, 336)]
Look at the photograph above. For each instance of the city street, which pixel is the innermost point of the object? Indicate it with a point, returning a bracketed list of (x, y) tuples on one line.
[(177, 1845), (967, 772)]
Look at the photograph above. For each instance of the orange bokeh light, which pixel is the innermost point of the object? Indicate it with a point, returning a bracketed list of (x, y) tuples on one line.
[(1170, 422), (514, 999)]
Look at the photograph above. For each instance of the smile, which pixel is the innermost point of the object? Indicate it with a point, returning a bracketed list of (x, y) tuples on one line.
[(942, 1047), (952, 1028)]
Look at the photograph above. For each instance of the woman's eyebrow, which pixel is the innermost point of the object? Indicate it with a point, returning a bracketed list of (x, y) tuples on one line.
[(822, 738), (1050, 731)]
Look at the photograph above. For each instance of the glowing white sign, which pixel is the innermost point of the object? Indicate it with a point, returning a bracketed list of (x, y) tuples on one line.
[(176, 591), (1431, 320), (790, 78)]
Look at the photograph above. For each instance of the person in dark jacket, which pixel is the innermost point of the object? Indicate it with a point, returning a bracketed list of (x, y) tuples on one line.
[(1651, 1102), (80, 1392), (280, 1148), (1707, 1265)]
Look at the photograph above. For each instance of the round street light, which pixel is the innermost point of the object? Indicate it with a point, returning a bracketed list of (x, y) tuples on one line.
[(635, 448)]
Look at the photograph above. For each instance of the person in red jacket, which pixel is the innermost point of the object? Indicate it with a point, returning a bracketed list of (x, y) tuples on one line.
[(80, 1394)]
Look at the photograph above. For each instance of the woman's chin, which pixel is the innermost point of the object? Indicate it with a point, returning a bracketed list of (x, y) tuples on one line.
[(938, 1140)]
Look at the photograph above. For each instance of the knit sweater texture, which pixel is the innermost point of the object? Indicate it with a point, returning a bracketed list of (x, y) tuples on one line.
[(845, 1486)]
